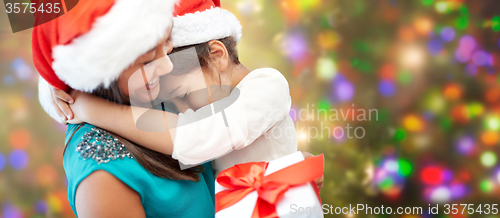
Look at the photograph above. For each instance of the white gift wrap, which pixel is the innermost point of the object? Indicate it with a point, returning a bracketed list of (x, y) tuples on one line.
[(299, 201)]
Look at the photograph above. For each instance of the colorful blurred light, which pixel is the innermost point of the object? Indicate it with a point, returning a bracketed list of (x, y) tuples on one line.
[(458, 190), (423, 25), (387, 88), (452, 91), (23, 70), (404, 77), (440, 195), (295, 46), (405, 168), (427, 2), (391, 165), (462, 55), (400, 135), (460, 114), (442, 7), (19, 139), (2, 161), (328, 39), (495, 23), (10, 211), (432, 175), (412, 57), (413, 123), (465, 144), (467, 43), (476, 109), (448, 34), (41, 207), (435, 46), (492, 122), (488, 159), (481, 58), (486, 186), (325, 68), (342, 89), (388, 72), (54, 203), (18, 159), (490, 138)]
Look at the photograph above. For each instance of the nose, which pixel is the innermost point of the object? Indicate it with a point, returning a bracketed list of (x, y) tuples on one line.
[(158, 67)]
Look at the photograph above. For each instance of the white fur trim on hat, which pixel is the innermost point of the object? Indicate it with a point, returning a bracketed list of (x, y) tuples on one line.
[(116, 40), (46, 100), (200, 27)]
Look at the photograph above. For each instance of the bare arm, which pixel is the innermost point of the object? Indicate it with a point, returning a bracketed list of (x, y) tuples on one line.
[(101, 195), (120, 119)]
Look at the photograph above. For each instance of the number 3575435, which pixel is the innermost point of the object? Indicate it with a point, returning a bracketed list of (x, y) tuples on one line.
[(32, 8)]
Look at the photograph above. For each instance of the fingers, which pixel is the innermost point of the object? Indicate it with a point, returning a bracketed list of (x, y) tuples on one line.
[(64, 107), (62, 99), (306, 154), (64, 96), (319, 182), (59, 111)]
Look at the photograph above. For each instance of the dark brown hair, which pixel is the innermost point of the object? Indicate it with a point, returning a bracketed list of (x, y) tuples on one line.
[(159, 164)]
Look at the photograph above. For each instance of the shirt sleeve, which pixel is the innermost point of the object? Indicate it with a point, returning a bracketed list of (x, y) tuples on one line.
[(261, 100)]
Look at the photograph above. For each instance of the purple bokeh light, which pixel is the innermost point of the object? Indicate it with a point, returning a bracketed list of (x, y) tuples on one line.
[(462, 55), (2, 161), (448, 34), (10, 211), (467, 43), (41, 207), (342, 89), (295, 46), (458, 190), (387, 88), (465, 145), (18, 159), (435, 46), (481, 58)]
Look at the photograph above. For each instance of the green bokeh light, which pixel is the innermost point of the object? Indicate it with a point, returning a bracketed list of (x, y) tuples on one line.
[(405, 168)]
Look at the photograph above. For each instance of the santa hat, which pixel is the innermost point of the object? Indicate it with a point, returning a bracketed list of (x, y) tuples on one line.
[(199, 21), (93, 43)]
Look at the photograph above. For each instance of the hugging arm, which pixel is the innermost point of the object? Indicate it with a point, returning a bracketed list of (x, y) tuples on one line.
[(120, 119)]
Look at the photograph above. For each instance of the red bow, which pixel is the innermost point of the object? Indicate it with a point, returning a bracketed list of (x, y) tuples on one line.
[(242, 179)]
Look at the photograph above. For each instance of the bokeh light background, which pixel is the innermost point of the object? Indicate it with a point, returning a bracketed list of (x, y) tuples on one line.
[(429, 67)]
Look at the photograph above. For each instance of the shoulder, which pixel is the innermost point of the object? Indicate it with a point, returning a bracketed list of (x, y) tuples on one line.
[(93, 143), (102, 194), (264, 79), (89, 150), (266, 75)]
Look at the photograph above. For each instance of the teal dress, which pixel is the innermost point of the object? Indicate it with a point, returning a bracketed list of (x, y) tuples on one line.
[(90, 148)]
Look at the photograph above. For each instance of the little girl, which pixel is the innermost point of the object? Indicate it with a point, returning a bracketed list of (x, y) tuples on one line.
[(248, 111)]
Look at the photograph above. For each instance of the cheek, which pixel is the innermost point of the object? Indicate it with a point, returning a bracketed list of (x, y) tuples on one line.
[(131, 83)]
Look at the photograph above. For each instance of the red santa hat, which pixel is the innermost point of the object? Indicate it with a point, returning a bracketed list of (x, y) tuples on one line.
[(93, 43), (199, 21)]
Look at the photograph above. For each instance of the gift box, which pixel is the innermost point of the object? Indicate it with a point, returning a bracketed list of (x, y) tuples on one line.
[(280, 188)]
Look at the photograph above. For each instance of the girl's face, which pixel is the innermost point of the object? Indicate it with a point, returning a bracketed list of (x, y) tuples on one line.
[(186, 90), (140, 81)]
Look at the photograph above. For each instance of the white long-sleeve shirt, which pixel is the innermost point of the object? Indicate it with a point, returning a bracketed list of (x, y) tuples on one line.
[(256, 127)]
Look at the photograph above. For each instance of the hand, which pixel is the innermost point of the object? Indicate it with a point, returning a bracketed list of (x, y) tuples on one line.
[(79, 107), (61, 101), (319, 181)]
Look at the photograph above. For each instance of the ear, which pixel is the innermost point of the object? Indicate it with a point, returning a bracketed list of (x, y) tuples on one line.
[(219, 55)]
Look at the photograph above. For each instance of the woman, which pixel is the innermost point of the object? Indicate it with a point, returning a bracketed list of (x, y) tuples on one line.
[(108, 176)]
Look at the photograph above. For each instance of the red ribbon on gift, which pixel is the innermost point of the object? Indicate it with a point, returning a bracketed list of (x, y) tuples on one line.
[(242, 179)]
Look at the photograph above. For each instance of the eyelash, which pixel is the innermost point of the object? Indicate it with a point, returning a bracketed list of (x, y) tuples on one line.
[(185, 96)]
